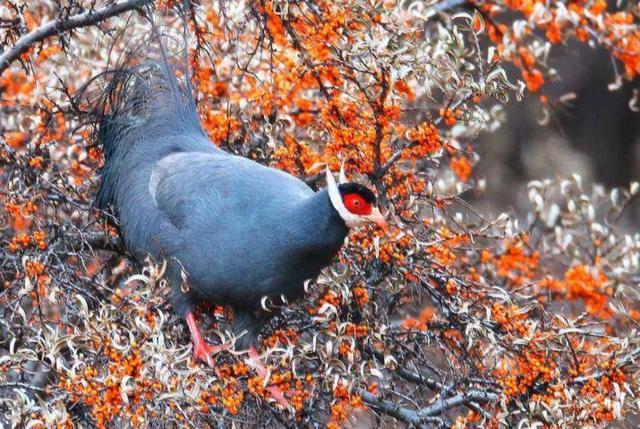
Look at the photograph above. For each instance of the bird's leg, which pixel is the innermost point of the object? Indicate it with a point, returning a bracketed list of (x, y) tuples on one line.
[(201, 350), (255, 362)]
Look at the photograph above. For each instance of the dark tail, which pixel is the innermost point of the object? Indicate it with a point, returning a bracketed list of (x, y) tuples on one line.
[(140, 108)]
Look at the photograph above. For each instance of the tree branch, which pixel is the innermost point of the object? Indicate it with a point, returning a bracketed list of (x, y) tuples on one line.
[(424, 415), (442, 405), (627, 359), (60, 25), (390, 408), (17, 385)]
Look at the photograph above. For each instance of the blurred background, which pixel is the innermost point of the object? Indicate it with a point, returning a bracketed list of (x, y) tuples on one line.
[(594, 132)]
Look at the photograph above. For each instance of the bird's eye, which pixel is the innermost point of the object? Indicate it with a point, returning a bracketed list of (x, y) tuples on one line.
[(356, 204)]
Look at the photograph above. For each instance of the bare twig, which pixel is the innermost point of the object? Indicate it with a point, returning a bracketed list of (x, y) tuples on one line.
[(17, 385), (58, 26), (423, 415)]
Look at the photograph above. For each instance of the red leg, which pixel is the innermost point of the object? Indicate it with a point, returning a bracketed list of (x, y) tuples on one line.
[(255, 362), (201, 350)]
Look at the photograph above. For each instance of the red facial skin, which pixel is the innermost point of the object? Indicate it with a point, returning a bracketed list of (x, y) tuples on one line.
[(356, 204)]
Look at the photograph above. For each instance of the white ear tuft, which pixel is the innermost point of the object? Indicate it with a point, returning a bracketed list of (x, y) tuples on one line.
[(343, 177), (331, 181), (349, 218)]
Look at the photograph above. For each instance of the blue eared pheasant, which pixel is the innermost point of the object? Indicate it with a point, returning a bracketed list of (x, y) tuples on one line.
[(233, 231)]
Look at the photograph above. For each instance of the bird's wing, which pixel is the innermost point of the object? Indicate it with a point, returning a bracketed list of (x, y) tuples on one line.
[(189, 187)]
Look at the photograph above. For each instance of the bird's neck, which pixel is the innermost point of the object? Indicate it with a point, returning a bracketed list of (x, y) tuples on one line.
[(323, 228)]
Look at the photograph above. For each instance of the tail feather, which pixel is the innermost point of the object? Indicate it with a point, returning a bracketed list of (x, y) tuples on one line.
[(140, 108)]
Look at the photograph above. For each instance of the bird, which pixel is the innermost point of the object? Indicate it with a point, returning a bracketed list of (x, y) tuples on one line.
[(233, 231)]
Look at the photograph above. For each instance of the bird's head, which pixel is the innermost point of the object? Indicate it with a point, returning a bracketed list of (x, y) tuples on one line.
[(355, 203)]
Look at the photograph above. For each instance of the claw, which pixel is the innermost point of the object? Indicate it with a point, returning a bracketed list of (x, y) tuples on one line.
[(255, 362), (202, 352)]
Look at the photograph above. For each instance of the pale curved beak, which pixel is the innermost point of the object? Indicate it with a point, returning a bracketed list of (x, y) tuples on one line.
[(377, 218)]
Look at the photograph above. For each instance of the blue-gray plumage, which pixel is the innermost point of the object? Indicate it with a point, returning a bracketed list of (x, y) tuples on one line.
[(234, 230)]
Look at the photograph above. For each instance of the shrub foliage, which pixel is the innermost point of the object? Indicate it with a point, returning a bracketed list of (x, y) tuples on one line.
[(451, 318)]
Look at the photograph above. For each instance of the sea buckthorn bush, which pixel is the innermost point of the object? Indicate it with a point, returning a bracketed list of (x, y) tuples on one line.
[(452, 317)]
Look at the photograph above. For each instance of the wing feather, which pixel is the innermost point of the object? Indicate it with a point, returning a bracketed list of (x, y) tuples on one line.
[(218, 188)]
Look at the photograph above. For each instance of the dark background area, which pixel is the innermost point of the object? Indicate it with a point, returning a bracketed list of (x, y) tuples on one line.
[(595, 135)]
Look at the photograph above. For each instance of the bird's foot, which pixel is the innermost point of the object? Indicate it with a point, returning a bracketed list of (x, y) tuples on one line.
[(203, 352), (256, 363), (277, 394)]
